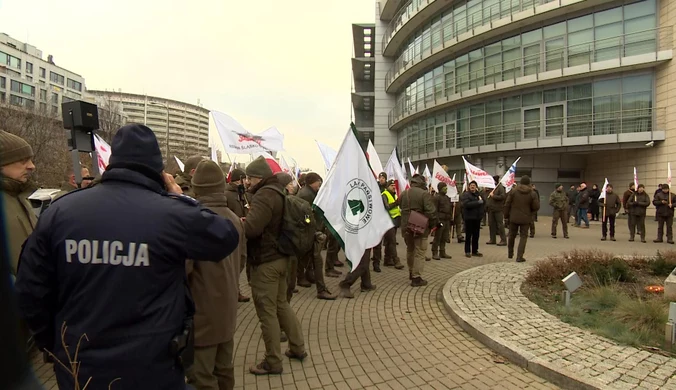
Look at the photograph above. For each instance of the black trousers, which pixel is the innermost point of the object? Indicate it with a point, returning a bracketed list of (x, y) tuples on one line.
[(362, 271), (472, 230), (604, 228)]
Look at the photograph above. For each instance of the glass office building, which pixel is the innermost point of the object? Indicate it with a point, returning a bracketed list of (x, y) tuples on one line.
[(579, 89)]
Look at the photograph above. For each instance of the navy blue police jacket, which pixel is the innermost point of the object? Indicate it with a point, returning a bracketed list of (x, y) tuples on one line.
[(109, 262)]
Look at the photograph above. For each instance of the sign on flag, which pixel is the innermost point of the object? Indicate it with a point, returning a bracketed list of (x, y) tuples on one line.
[(439, 175), (181, 166), (481, 177), (350, 202), (509, 179), (102, 151), (328, 154), (635, 180), (236, 139), (396, 172), (603, 190), (374, 160)]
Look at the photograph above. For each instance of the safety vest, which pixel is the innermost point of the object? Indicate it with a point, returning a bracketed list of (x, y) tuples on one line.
[(396, 211)]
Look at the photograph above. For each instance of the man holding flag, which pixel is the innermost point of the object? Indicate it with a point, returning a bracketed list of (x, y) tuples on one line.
[(352, 210), (664, 202), (611, 205), (495, 203)]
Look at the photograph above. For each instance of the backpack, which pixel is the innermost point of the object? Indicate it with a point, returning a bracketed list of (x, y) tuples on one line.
[(297, 233)]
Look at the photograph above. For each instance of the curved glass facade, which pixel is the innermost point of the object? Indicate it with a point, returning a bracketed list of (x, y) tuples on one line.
[(611, 34), (463, 17), (615, 105)]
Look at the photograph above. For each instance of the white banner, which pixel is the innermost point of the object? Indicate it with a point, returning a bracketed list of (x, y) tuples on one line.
[(236, 139), (439, 176), (396, 172), (427, 174), (481, 177), (328, 155), (374, 160)]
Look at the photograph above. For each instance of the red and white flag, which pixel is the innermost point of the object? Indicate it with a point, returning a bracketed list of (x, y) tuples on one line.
[(669, 174), (427, 174), (440, 176), (237, 139), (481, 177), (374, 160), (394, 171), (509, 179), (410, 167), (102, 151), (285, 166), (271, 161)]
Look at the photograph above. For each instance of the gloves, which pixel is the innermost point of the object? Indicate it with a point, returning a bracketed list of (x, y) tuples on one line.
[(320, 237), (481, 201)]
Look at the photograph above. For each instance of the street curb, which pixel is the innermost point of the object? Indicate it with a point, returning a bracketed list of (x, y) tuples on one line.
[(522, 358)]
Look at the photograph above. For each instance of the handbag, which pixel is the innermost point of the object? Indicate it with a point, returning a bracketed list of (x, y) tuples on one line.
[(417, 222)]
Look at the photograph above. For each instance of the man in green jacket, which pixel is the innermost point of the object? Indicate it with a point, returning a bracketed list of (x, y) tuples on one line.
[(560, 202), (183, 178), (495, 202), (16, 166), (612, 205)]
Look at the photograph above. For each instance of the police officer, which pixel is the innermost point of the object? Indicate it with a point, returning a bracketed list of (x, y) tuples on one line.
[(109, 262)]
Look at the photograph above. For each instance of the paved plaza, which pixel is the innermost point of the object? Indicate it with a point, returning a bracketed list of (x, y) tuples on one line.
[(400, 337)]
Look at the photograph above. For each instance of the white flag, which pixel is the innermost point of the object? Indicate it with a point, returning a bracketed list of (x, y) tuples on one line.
[(465, 184), (374, 160), (669, 174), (214, 155), (350, 202), (396, 172), (285, 166), (181, 166), (103, 152), (439, 176), (635, 180), (410, 167), (403, 169), (603, 190), (509, 179), (481, 177), (427, 174), (328, 154), (237, 139)]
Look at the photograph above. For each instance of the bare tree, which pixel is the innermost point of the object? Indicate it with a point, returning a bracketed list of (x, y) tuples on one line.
[(44, 131), (111, 117)]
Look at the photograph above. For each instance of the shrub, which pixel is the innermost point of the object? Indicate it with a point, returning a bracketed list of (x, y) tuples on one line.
[(663, 264), (550, 271), (643, 315), (617, 270)]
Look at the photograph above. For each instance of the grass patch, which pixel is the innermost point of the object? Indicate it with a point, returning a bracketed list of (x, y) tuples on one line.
[(612, 301)]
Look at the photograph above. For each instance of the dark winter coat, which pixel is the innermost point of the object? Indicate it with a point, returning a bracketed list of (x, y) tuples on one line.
[(612, 204), (584, 199), (443, 206), (572, 196), (638, 203), (663, 210), (308, 194), (264, 222), (496, 202), (418, 199), (236, 201), (558, 200), (472, 207), (522, 202)]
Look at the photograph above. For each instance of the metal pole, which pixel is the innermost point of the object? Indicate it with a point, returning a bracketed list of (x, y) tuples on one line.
[(77, 170), (167, 108)]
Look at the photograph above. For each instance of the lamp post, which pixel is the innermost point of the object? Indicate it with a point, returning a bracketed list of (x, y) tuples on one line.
[(166, 107)]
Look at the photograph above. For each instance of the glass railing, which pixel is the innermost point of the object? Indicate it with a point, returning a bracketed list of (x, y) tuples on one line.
[(407, 11), (606, 123), (459, 84), (445, 33)]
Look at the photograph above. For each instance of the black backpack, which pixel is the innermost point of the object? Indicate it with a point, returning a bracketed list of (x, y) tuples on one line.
[(297, 234)]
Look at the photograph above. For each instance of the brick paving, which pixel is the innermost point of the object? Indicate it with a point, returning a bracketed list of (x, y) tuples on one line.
[(399, 337)]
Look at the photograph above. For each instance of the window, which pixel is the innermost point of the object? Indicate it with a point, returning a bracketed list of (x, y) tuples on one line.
[(3, 82), (43, 107), (66, 99), (43, 72), (56, 78), (2, 97), (15, 86), (20, 101), (29, 68), (55, 98), (9, 60), (22, 88), (43, 94), (75, 85)]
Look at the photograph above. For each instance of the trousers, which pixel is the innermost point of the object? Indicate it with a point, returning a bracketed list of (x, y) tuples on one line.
[(362, 271), (415, 253), (561, 215), (213, 368), (523, 239), (604, 228), (496, 225), (332, 249), (637, 223), (390, 243), (441, 237), (269, 290), (661, 221), (472, 230)]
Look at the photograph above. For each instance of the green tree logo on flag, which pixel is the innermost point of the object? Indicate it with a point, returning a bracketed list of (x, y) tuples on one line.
[(357, 208)]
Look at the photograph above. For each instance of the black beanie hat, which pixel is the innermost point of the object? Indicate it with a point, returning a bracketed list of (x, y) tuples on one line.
[(284, 178), (259, 168), (441, 186), (311, 178), (236, 175), (525, 180), (137, 144), (208, 178), (13, 148)]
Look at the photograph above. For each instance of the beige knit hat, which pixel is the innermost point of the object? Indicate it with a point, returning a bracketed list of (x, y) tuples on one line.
[(13, 148)]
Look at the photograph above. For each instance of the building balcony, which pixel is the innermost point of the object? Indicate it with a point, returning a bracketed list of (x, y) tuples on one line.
[(639, 50), (408, 19), (627, 129), (497, 20), (388, 9)]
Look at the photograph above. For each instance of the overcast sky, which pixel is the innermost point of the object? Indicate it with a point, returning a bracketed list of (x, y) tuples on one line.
[(264, 62)]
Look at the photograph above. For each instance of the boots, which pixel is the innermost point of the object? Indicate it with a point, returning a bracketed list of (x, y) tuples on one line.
[(502, 242), (442, 253), (435, 255)]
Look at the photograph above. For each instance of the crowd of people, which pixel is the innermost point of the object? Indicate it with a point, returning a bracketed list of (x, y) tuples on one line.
[(143, 263)]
